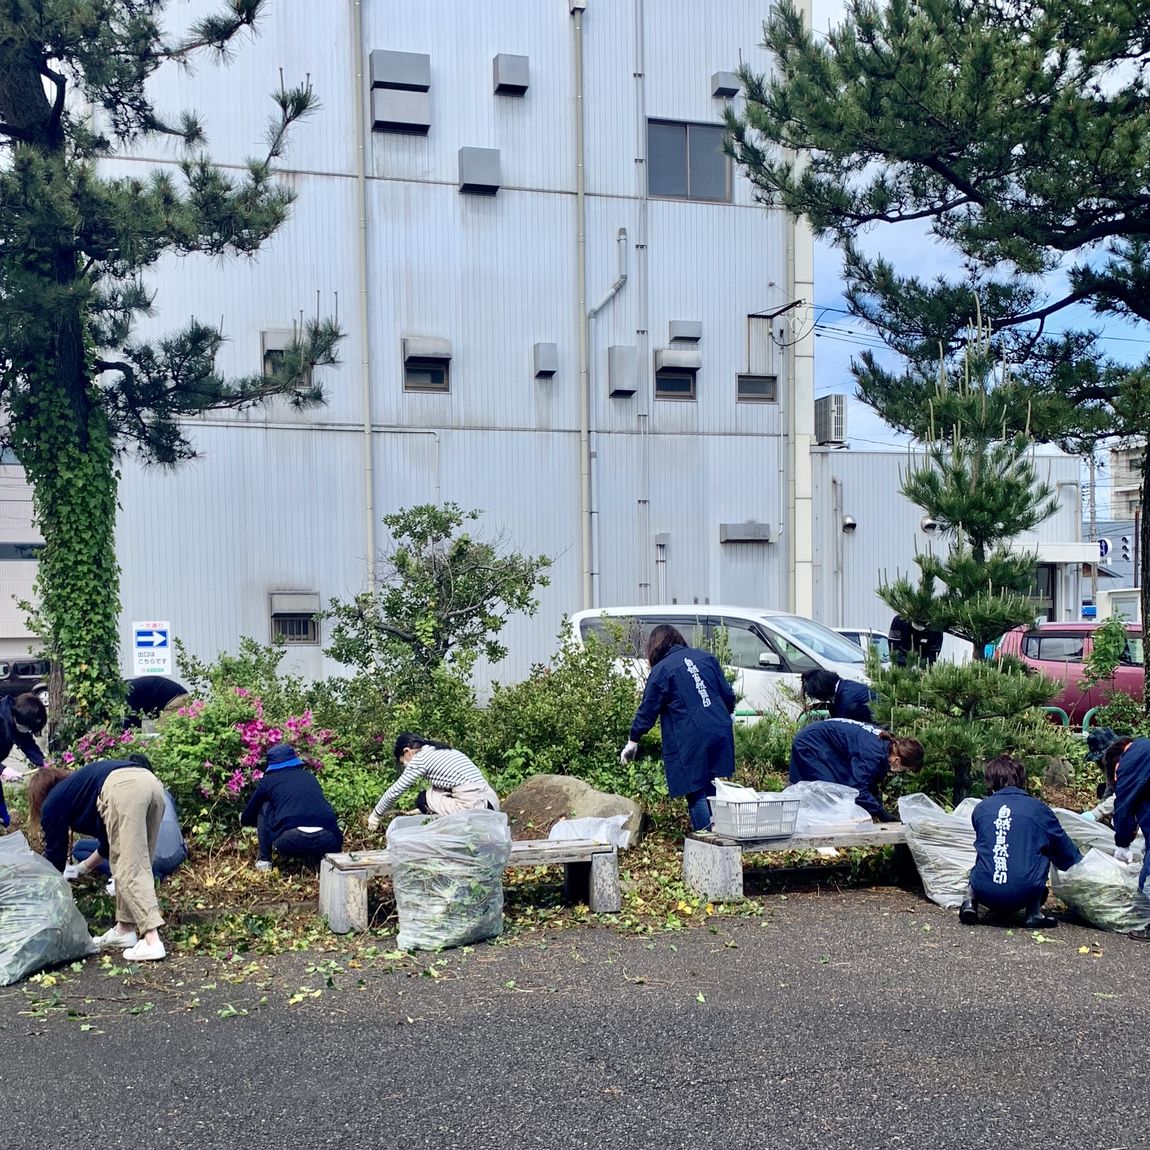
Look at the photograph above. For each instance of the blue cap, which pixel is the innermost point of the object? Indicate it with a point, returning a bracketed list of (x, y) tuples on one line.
[(283, 755)]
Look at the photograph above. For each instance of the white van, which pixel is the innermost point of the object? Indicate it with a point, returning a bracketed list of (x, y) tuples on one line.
[(768, 649)]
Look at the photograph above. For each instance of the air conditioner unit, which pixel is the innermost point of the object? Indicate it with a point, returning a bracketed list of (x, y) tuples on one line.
[(831, 420)]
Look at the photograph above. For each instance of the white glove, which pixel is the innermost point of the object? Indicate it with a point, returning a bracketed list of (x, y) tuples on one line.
[(1090, 816), (10, 774), (1123, 855), (373, 821), (72, 871), (627, 754)]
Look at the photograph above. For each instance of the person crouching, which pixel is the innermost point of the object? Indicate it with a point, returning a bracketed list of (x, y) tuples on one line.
[(289, 811), (1016, 838)]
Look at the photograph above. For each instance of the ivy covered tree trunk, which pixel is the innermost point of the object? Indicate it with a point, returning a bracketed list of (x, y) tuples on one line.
[(69, 460)]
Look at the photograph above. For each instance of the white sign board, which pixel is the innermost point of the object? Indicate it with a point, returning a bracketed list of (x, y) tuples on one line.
[(152, 645)]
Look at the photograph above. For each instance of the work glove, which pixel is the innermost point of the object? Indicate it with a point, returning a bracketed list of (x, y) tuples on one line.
[(1123, 855), (628, 753), (10, 774), (1090, 816), (373, 821), (72, 871)]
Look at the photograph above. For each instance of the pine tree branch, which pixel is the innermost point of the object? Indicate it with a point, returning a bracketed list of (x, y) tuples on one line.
[(58, 103)]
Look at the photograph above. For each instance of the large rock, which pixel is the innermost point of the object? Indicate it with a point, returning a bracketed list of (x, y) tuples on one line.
[(543, 800)]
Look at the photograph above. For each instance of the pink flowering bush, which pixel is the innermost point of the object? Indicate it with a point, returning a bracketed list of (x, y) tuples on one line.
[(100, 743), (211, 753)]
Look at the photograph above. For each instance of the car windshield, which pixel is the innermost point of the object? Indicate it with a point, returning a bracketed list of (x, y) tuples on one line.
[(818, 639)]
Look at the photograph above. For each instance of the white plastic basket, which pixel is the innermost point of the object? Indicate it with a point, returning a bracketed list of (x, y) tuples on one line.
[(767, 817)]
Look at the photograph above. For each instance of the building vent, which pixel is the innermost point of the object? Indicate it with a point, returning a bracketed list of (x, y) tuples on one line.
[(831, 420), (479, 173), (751, 532), (622, 369), (545, 360), (678, 359), (273, 344), (725, 85), (511, 75), (407, 71), (395, 110), (687, 330)]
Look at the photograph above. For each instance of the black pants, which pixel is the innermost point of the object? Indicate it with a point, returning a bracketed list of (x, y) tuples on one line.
[(297, 843)]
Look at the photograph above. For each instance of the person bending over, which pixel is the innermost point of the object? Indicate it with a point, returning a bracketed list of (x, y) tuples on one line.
[(854, 754), (455, 783), (843, 698), (1016, 838), (689, 696), (21, 720), (120, 803), (290, 812), (1127, 761)]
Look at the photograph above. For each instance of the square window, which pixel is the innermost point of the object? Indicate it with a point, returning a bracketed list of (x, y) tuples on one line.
[(687, 162), (674, 384), (758, 388), (421, 374), (295, 629)]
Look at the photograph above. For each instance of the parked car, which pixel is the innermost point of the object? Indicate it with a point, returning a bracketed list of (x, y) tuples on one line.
[(769, 650), (868, 636), (21, 674), (1060, 650)]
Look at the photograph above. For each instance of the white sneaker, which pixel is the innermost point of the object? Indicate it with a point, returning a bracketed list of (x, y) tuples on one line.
[(145, 951), (263, 864), (114, 938)]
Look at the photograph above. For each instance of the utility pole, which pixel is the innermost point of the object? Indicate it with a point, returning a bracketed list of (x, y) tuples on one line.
[(1093, 506)]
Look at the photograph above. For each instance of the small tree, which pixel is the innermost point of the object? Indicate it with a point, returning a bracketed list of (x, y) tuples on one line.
[(980, 486), (445, 598)]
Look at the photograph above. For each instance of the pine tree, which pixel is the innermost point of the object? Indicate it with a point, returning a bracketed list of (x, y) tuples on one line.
[(978, 483), (76, 388), (1017, 135)]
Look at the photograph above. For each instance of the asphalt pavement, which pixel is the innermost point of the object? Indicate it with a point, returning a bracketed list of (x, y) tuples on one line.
[(861, 1019)]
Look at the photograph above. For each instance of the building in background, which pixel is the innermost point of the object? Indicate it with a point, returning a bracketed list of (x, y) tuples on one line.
[(1125, 479), (596, 337)]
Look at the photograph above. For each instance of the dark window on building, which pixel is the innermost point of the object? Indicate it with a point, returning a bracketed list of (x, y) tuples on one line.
[(295, 629), (427, 375), (20, 552), (687, 162), (758, 388), (671, 384)]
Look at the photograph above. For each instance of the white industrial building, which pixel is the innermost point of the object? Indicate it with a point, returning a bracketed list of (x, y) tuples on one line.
[(563, 307)]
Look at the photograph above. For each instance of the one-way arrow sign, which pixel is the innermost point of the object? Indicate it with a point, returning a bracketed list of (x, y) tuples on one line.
[(151, 638), (153, 647)]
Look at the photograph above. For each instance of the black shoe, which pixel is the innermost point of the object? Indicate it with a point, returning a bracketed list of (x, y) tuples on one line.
[(968, 913), (1039, 922), (1142, 934)]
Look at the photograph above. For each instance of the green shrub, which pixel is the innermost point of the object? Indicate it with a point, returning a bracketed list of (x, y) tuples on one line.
[(568, 718), (763, 751)]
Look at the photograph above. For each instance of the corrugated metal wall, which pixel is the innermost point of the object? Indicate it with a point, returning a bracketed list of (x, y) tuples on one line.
[(276, 501)]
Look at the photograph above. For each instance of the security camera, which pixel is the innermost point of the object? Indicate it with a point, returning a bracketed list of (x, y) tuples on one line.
[(849, 524), (929, 526)]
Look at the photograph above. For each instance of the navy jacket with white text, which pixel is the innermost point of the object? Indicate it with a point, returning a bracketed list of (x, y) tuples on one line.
[(852, 701), (1132, 799), (690, 697), (1016, 838), (843, 751)]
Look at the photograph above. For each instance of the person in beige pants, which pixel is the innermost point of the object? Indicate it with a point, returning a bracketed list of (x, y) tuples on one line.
[(121, 803)]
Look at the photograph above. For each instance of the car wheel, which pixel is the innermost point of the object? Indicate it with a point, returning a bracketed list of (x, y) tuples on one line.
[(41, 693)]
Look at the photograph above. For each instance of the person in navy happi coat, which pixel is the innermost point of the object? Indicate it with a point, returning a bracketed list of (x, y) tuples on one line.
[(855, 755), (843, 698), (21, 720), (688, 694), (1128, 762), (1016, 838)]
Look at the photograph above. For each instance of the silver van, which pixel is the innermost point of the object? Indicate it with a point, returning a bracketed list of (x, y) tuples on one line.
[(769, 650)]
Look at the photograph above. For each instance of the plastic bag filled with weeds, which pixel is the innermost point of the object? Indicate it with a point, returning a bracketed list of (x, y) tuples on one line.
[(448, 877), (40, 925), (942, 846), (1103, 892)]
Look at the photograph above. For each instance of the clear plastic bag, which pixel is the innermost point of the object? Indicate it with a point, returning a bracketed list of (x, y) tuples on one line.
[(942, 846), (448, 877), (39, 923), (1086, 834), (612, 830), (1103, 892), (825, 808)]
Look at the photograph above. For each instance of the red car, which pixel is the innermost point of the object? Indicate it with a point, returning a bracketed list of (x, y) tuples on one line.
[(1059, 651)]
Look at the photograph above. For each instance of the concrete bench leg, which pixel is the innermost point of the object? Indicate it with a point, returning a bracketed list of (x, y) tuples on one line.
[(596, 883), (713, 870), (343, 898)]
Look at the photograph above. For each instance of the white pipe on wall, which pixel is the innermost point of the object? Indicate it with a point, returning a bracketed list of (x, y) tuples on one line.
[(582, 320), (358, 98)]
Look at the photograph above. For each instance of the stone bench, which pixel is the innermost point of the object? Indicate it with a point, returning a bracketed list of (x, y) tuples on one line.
[(590, 875), (713, 864)]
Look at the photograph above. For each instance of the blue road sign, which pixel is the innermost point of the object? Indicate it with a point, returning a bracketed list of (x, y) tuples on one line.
[(150, 640)]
